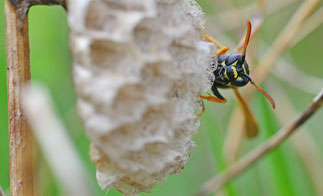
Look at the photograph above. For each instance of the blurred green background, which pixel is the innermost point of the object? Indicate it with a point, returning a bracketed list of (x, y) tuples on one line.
[(282, 172)]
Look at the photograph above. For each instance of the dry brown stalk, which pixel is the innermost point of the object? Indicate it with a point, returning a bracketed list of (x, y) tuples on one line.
[(312, 23), (310, 156), (18, 74), (302, 141), (1, 192), (235, 132), (310, 84), (53, 139), (252, 157), (234, 15), (285, 38)]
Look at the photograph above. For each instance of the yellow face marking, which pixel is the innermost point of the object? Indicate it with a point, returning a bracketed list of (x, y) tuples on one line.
[(235, 72), (223, 63), (239, 79), (244, 69), (229, 84), (225, 74), (235, 63)]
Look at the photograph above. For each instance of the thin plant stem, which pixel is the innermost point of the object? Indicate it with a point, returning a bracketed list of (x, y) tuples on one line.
[(53, 139), (234, 16), (302, 141), (285, 39), (1, 192), (312, 23), (18, 75), (235, 132), (259, 152)]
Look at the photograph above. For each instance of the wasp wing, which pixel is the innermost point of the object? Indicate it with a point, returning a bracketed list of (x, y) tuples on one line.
[(251, 123)]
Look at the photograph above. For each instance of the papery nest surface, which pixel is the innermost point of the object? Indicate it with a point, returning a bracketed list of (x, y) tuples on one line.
[(138, 69)]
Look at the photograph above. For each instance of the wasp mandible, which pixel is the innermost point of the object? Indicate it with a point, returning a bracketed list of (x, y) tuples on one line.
[(232, 71)]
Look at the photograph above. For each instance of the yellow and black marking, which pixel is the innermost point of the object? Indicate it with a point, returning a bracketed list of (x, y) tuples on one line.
[(235, 73), (225, 74), (230, 73), (244, 69), (239, 79)]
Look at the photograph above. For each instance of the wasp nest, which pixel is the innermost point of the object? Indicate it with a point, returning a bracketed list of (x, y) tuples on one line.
[(139, 67)]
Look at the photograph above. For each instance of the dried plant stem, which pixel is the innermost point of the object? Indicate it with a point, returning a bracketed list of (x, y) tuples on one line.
[(302, 141), (285, 39), (310, 84), (234, 16), (52, 138), (235, 132), (1, 192), (245, 162), (18, 74), (312, 23), (257, 19), (277, 5), (309, 154)]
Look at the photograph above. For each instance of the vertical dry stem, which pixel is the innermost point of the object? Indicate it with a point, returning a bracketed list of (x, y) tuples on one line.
[(18, 73)]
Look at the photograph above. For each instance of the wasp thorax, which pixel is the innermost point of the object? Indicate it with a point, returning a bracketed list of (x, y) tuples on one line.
[(232, 66)]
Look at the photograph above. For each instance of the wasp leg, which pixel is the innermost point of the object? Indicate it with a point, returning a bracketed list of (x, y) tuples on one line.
[(203, 110), (213, 99), (211, 39), (219, 98), (222, 49), (251, 123), (218, 95)]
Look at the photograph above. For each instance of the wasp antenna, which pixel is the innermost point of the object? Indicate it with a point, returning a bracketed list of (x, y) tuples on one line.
[(246, 41), (270, 99)]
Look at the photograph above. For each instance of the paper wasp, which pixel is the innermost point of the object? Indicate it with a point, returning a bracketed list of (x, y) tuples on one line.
[(232, 71)]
